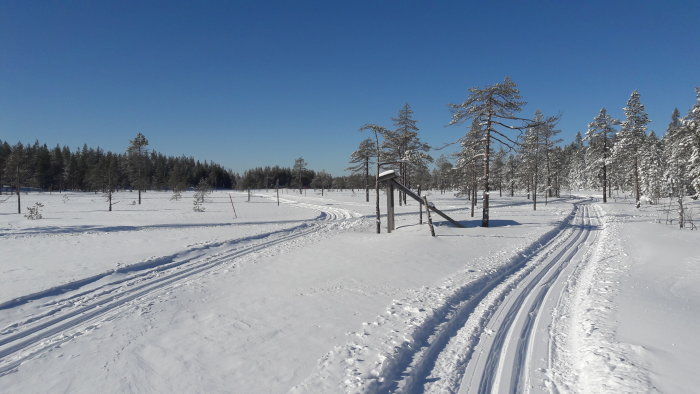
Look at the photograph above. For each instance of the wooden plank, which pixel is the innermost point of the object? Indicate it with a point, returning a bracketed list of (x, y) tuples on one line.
[(420, 200)]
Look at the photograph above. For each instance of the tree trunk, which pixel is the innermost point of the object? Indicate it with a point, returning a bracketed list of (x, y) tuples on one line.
[(140, 183), (605, 183), (376, 188), (19, 198), (681, 216), (367, 179), (636, 180), (487, 151), (473, 198), (534, 191)]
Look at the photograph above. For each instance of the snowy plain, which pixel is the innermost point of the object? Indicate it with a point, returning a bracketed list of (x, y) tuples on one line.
[(305, 297)]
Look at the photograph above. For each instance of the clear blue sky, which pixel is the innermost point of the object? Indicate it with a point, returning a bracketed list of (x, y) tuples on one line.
[(261, 82)]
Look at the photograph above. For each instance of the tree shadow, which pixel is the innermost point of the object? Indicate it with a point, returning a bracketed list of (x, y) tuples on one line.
[(477, 223)]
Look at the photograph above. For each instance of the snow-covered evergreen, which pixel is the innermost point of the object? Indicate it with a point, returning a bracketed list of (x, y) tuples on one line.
[(599, 136), (631, 139)]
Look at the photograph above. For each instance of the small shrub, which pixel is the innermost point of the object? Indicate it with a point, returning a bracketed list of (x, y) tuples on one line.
[(202, 190), (34, 213)]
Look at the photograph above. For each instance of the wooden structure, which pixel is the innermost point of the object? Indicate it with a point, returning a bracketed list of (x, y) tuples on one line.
[(388, 178)]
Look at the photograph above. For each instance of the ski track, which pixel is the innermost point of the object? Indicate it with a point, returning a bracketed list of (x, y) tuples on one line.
[(487, 345), (76, 308), (478, 336), (516, 330)]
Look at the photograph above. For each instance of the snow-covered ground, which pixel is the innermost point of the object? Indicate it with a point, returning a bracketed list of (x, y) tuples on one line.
[(304, 296)]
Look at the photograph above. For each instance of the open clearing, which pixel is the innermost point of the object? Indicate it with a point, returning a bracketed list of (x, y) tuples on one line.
[(305, 297)]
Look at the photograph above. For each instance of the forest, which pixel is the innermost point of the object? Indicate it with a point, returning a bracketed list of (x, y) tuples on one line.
[(500, 151)]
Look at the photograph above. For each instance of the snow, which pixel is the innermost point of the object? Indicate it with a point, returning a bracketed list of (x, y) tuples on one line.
[(305, 297)]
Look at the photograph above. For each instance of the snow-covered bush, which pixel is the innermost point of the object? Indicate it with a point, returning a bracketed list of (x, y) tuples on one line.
[(34, 213), (202, 190)]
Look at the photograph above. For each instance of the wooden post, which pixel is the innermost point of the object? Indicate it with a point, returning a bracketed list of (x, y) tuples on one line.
[(277, 188), (19, 199), (430, 220), (235, 215), (390, 206), (420, 209), (248, 195)]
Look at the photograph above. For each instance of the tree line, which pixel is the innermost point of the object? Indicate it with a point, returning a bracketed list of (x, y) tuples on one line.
[(92, 169), (503, 150), (36, 166)]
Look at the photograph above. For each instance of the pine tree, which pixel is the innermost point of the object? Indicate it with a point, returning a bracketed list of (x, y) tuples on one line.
[(651, 168), (470, 161), (491, 106), (576, 174), (137, 160), (380, 154), (631, 139), (691, 139), (498, 170), (403, 145), (299, 168), (531, 156), (16, 171), (361, 159), (599, 136), (442, 175), (203, 188)]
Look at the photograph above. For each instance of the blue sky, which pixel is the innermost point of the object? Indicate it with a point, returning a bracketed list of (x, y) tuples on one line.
[(257, 83)]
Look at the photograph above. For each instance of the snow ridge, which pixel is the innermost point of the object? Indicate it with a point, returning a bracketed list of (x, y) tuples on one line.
[(586, 356)]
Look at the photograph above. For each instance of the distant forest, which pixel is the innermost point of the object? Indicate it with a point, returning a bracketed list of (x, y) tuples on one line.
[(36, 166)]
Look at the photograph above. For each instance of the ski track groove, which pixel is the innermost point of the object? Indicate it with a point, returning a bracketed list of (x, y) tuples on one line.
[(32, 336), (412, 368), (536, 287), (494, 357)]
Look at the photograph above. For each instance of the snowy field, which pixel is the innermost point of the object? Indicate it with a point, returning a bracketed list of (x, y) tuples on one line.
[(577, 296)]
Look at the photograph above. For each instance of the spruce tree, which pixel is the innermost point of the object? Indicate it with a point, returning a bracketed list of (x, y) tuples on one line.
[(599, 136), (631, 139), (403, 145)]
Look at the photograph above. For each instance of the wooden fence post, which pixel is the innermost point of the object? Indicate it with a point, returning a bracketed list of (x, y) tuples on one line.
[(235, 215), (390, 206), (430, 221), (420, 209)]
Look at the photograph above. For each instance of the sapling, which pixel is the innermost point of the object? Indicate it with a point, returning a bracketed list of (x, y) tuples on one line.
[(34, 213)]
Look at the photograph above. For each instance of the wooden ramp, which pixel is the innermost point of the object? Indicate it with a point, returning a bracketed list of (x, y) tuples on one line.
[(388, 178)]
